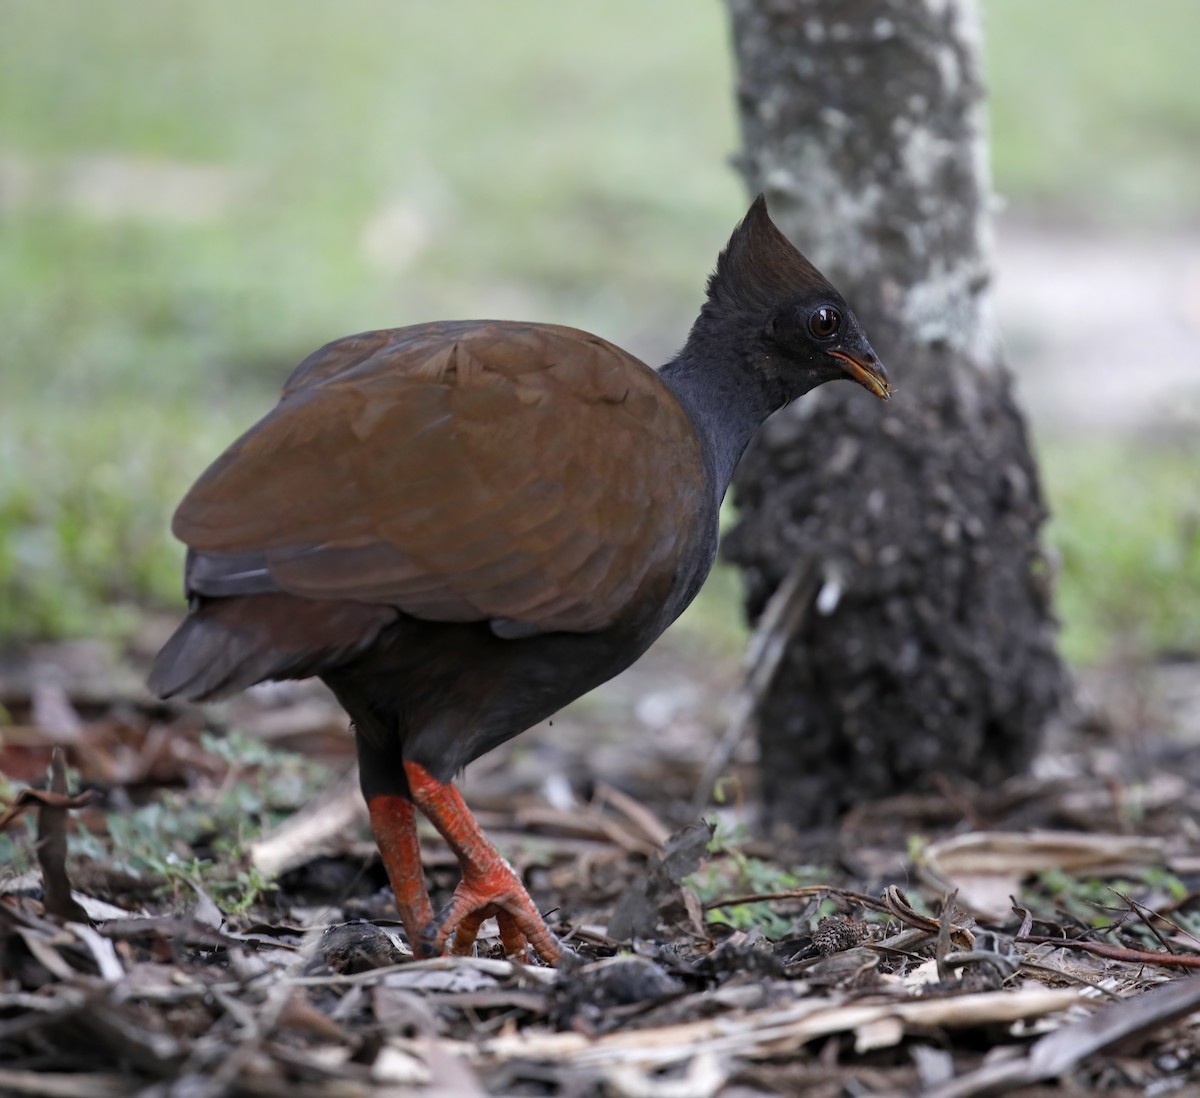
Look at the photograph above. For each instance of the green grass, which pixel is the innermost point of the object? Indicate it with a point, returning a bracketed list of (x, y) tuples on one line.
[(193, 196), (86, 496), (383, 163), (1095, 108), (1126, 528), (198, 837)]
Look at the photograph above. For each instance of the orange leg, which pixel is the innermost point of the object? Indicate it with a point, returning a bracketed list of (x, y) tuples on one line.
[(488, 886), (394, 822)]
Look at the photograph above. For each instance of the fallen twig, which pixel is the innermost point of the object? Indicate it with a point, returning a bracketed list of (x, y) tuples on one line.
[(807, 892), (1116, 953)]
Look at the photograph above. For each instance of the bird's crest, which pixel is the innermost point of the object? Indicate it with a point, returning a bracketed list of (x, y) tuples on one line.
[(760, 266)]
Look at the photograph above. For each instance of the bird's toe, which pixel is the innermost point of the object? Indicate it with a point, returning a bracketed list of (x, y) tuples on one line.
[(519, 922)]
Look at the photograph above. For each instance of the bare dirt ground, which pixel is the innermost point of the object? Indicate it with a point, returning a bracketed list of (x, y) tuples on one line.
[(1037, 938), (1101, 331)]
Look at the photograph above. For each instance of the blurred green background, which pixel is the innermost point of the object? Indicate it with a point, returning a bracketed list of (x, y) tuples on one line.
[(193, 196)]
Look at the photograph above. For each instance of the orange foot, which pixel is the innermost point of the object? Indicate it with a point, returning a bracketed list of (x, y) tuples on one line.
[(489, 887), (495, 892)]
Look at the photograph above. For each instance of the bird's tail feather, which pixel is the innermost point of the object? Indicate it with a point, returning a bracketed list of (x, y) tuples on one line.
[(225, 645)]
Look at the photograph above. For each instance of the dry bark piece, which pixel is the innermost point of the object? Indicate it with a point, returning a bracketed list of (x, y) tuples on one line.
[(772, 1032), (703, 1078), (1060, 1051), (52, 848)]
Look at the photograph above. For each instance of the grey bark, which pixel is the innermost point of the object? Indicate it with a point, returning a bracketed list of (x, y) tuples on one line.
[(929, 643)]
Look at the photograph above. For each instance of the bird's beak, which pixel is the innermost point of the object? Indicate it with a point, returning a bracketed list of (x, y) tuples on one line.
[(869, 374)]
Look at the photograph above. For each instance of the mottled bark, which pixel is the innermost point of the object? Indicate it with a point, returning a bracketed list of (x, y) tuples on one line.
[(929, 644)]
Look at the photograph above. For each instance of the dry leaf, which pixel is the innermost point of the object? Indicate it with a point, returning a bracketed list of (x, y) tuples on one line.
[(1025, 853), (657, 904), (987, 867)]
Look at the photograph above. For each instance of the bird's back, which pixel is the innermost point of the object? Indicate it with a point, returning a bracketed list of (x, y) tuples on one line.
[(529, 478)]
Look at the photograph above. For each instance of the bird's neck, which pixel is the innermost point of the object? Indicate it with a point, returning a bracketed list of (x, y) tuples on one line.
[(725, 401)]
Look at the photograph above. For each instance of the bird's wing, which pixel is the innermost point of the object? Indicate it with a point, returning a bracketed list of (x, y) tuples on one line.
[(530, 475)]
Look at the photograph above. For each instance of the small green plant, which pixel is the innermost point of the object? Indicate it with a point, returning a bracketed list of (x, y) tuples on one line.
[(166, 845), (1159, 877), (17, 845), (1104, 904), (917, 845), (732, 872), (196, 838)]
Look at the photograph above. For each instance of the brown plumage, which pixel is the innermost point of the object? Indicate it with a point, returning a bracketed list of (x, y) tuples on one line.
[(454, 522), (462, 526)]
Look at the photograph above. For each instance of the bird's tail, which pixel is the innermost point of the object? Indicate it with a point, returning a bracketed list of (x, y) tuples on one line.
[(225, 645)]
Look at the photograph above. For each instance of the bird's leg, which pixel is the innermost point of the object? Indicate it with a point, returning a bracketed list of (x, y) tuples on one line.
[(394, 822), (488, 886)]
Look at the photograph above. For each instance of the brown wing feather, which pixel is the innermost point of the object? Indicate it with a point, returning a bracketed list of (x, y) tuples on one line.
[(462, 472)]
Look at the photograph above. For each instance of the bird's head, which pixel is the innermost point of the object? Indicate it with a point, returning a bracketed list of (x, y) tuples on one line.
[(802, 332)]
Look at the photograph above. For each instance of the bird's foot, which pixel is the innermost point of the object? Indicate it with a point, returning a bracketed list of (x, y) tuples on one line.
[(487, 891), (488, 886)]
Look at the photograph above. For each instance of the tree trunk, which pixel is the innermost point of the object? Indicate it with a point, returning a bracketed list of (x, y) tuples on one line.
[(927, 645)]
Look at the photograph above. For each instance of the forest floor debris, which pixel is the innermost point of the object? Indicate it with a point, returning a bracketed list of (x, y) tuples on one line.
[(226, 929)]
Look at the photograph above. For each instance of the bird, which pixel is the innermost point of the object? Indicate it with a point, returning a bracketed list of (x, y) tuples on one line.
[(462, 526)]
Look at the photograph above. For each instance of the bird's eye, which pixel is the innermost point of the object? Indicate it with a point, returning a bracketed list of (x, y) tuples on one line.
[(825, 322)]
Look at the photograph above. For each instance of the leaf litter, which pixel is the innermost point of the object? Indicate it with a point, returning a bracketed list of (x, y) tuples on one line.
[(189, 911)]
